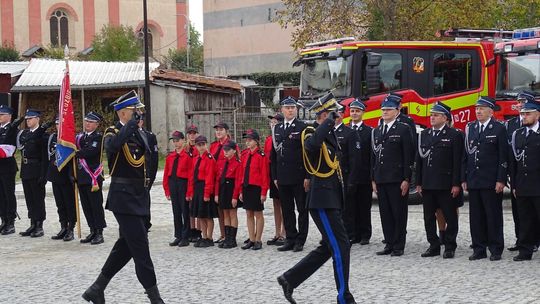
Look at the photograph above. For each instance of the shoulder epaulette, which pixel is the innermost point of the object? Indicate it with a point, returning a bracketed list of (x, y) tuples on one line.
[(112, 129), (261, 152), (209, 155)]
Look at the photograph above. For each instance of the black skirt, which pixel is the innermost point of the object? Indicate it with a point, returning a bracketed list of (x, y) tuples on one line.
[(225, 195), (200, 208), (252, 198)]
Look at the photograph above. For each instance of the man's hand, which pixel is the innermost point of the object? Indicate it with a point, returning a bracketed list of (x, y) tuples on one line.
[(404, 187), (333, 115), (263, 199), (136, 116), (188, 198), (514, 193), (168, 197), (206, 199), (374, 187), (419, 190), (499, 187), (241, 197), (455, 191), (306, 185), (275, 183), (464, 186)]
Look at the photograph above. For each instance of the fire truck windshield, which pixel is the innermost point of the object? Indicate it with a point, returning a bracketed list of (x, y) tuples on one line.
[(322, 75), (518, 73)]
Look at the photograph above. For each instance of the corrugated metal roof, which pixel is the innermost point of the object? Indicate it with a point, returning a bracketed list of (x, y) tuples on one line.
[(15, 68), (204, 81), (47, 74)]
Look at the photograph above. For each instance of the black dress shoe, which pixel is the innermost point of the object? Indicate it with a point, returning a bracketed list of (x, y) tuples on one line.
[(286, 247), (9, 228), (38, 232), (257, 246), (385, 251), (495, 257), (522, 257), (175, 242), (248, 245), (513, 248), (89, 237), (246, 241), (364, 241), (396, 253), (60, 234), (298, 247), (69, 236), (96, 292), (287, 289), (183, 243), (431, 252), (477, 256), (29, 230), (448, 254), (98, 237)]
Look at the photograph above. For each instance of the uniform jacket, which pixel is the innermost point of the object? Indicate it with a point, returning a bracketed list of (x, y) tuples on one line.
[(233, 174), (121, 144), (184, 169), (486, 156), (324, 193), (346, 137), (152, 168), (439, 159), (207, 168), (392, 154), (216, 149), (289, 166), (525, 163), (8, 136), (64, 176), (511, 125), (258, 170), (34, 153), (90, 150), (360, 156)]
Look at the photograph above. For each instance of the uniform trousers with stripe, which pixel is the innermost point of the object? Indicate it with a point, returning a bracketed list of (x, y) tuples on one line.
[(335, 245)]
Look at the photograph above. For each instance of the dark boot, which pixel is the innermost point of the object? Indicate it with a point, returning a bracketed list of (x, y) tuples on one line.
[(38, 232), (153, 295), (61, 233), (96, 292), (69, 233), (226, 240), (98, 238), (9, 228), (89, 237), (30, 229), (232, 238)]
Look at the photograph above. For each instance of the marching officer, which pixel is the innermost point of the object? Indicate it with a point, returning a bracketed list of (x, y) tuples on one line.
[(485, 176), (392, 146), (290, 176), (438, 178), (525, 173), (63, 190), (325, 205), (128, 154), (8, 170), (512, 125), (31, 142), (90, 177), (359, 191)]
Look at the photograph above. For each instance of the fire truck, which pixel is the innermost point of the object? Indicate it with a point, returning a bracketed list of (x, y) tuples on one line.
[(494, 63)]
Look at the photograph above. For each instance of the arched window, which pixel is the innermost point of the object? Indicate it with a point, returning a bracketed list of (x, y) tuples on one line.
[(59, 29), (140, 36)]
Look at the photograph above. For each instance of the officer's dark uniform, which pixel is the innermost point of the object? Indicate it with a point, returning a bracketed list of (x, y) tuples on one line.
[(393, 154), (128, 152), (290, 173), (525, 174), (486, 164), (152, 166), (33, 173), (63, 190), (359, 191), (512, 125), (439, 160), (90, 180), (325, 204), (8, 170)]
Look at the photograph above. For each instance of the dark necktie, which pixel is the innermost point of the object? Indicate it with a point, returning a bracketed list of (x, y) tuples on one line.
[(246, 172), (355, 127), (216, 155), (385, 130), (196, 171), (481, 129), (436, 133), (224, 173), (175, 166), (287, 126)]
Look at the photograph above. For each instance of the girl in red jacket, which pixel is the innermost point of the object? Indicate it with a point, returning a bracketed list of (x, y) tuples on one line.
[(227, 190), (192, 132), (200, 190), (254, 183), (175, 182)]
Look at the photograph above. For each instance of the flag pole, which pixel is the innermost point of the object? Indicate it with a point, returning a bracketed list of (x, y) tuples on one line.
[(75, 187)]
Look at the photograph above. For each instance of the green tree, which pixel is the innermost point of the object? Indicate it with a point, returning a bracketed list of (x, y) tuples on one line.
[(177, 58), (52, 53), (8, 52), (115, 43)]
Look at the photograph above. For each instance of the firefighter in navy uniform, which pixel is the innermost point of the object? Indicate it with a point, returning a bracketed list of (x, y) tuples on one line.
[(290, 175), (63, 190), (8, 170), (31, 142), (128, 153), (325, 205), (359, 191), (90, 177), (438, 178), (393, 152), (525, 174), (486, 164), (512, 125)]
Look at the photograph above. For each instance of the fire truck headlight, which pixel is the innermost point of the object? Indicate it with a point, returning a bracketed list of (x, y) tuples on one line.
[(508, 48)]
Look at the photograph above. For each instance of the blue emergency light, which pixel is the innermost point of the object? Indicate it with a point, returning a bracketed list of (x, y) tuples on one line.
[(528, 33)]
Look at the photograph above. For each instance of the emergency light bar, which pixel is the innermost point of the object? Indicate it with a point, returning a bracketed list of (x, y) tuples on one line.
[(475, 33), (528, 33), (331, 41)]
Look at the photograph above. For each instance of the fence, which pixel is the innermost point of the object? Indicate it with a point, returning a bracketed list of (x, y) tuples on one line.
[(251, 118)]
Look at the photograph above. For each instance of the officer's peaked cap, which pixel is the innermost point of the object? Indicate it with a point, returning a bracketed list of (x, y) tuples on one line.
[(326, 103), (441, 108), (130, 99)]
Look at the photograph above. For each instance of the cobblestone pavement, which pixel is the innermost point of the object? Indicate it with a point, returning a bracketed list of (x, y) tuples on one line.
[(46, 271)]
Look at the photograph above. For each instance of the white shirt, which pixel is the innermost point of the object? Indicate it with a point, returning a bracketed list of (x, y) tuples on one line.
[(390, 124), (337, 127), (358, 125), (485, 124), (290, 122), (32, 130), (4, 125), (534, 128)]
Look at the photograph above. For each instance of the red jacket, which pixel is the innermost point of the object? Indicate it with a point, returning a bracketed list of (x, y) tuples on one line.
[(193, 150), (217, 146), (183, 171), (268, 146), (234, 171), (206, 173), (258, 170)]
